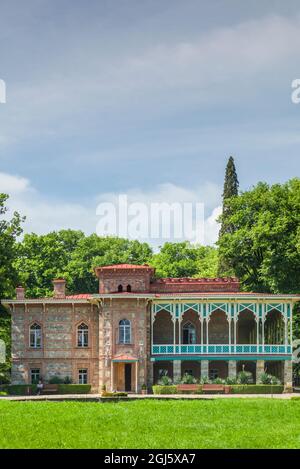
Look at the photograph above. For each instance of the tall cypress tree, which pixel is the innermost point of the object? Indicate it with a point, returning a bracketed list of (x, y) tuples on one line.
[(231, 189)]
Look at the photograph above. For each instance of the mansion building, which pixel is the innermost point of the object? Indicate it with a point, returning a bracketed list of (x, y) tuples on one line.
[(138, 328)]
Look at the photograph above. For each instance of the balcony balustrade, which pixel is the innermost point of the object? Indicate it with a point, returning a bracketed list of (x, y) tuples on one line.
[(226, 349)]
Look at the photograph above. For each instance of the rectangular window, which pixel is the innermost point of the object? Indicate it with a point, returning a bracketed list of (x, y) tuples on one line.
[(35, 338), (35, 375), (83, 337), (83, 376)]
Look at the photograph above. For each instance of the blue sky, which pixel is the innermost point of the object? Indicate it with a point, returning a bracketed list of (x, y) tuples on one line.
[(143, 97)]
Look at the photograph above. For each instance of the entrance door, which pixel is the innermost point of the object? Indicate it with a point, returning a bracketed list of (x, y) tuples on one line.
[(127, 377)]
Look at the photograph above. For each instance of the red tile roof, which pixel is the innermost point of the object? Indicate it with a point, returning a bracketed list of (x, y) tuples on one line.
[(189, 280), (124, 266), (80, 296)]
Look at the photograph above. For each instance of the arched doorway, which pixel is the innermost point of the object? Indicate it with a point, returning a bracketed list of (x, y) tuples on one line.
[(218, 328), (274, 330), (163, 328), (246, 328)]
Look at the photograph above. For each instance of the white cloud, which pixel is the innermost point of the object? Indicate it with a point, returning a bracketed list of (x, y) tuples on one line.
[(12, 184), (44, 214)]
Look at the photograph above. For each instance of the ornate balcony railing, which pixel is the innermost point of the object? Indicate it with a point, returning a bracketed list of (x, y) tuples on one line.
[(221, 349)]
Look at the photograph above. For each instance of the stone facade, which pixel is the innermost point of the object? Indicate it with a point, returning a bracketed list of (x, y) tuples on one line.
[(127, 293)]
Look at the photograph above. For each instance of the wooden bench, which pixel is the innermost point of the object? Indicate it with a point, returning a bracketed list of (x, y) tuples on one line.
[(49, 388), (188, 387), (213, 388)]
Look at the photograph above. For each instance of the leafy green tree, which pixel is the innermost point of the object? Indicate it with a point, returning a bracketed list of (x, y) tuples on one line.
[(185, 260), (41, 258), (10, 229), (94, 251), (263, 251), (207, 262), (231, 189), (5, 327)]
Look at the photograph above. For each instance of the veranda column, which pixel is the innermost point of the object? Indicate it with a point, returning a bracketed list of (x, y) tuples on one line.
[(176, 370), (150, 373), (202, 324), (260, 369), (231, 369), (286, 340), (263, 326), (234, 326), (204, 368), (207, 341), (288, 373)]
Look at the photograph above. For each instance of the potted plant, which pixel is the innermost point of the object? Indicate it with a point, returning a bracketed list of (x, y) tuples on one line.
[(103, 390), (144, 389)]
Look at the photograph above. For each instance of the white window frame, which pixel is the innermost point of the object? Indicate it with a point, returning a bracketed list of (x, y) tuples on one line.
[(35, 336), (125, 332), (83, 376), (83, 335)]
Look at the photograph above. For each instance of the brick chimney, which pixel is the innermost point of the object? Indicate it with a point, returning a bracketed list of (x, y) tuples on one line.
[(20, 293), (59, 285)]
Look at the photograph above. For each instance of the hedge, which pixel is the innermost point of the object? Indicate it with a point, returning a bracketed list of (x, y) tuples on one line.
[(170, 389), (74, 388), (113, 394), (22, 389), (256, 389)]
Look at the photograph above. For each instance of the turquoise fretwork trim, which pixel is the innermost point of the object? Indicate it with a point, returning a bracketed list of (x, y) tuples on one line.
[(218, 358), (205, 309)]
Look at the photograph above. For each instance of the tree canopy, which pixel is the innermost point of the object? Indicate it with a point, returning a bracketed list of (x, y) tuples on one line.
[(185, 260), (10, 229), (231, 189), (263, 251)]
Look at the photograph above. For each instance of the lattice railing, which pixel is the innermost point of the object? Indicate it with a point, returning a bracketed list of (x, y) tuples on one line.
[(220, 349)]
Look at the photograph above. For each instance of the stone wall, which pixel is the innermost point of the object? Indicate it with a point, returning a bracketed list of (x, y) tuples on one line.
[(137, 312), (59, 354)]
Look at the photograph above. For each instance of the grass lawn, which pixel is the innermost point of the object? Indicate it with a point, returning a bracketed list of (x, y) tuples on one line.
[(228, 423)]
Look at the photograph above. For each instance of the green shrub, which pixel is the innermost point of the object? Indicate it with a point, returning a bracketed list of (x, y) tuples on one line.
[(265, 378), (188, 379), (218, 381), (21, 389), (245, 377), (3, 393), (114, 394), (56, 380), (164, 381), (74, 388), (256, 389), (232, 380), (169, 389), (68, 380), (204, 380)]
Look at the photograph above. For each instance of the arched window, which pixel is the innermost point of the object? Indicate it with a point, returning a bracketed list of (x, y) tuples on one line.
[(82, 335), (189, 333), (128, 288), (120, 288), (124, 332), (35, 334)]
